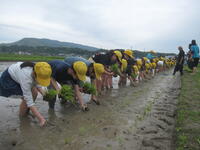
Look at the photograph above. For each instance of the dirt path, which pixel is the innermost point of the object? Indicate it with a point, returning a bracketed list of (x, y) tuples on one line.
[(140, 118)]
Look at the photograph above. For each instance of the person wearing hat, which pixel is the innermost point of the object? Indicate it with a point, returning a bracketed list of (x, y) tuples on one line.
[(25, 79), (144, 69), (153, 67), (135, 74), (160, 64), (95, 71), (123, 68), (150, 55), (64, 73), (128, 55), (106, 59)]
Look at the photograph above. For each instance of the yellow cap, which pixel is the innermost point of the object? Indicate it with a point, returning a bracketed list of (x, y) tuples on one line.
[(129, 53), (135, 68), (157, 59), (153, 65), (80, 69), (43, 73), (119, 55), (145, 59), (147, 66), (139, 67), (139, 62), (98, 69), (124, 65), (152, 51)]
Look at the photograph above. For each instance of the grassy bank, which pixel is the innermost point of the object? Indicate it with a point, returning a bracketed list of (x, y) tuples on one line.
[(15, 57), (188, 113)]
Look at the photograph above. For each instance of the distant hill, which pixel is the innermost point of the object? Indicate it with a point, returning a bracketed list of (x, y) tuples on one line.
[(36, 42), (46, 47)]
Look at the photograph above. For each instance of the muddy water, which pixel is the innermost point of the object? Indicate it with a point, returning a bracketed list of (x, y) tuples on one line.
[(132, 118)]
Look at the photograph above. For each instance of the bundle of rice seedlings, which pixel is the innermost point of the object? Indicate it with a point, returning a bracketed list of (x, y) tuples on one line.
[(114, 68), (67, 94), (89, 88), (50, 95), (133, 75)]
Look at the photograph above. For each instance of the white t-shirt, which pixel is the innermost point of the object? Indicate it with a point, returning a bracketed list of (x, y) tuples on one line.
[(24, 78), (160, 63)]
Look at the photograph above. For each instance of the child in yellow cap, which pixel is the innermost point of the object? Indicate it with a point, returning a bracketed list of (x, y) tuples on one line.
[(106, 59), (128, 55), (64, 73), (23, 79), (95, 71)]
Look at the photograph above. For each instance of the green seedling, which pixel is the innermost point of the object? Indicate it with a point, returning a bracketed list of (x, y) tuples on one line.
[(89, 88), (120, 140), (114, 68), (50, 95), (178, 129), (182, 140), (198, 140), (82, 130), (133, 75), (67, 94), (68, 140)]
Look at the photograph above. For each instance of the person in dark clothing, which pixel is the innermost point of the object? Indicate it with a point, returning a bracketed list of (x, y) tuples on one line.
[(128, 56), (179, 61), (95, 71), (64, 73), (107, 60)]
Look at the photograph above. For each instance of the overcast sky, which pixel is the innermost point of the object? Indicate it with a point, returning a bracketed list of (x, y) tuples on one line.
[(161, 25)]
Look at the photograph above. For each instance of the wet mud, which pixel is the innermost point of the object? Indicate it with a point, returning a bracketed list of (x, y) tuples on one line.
[(129, 118)]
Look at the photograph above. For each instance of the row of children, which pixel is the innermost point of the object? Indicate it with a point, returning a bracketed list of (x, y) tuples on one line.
[(27, 78)]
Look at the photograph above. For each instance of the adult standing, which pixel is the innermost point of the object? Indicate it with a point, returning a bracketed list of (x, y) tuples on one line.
[(195, 55), (179, 61)]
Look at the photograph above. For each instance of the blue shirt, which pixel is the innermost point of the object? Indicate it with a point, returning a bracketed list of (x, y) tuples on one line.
[(59, 72), (71, 60), (149, 56), (195, 51)]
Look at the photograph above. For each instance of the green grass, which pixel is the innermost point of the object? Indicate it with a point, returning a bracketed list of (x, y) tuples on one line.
[(16, 57), (188, 112)]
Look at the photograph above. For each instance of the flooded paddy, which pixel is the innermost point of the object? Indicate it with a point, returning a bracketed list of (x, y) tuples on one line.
[(129, 118)]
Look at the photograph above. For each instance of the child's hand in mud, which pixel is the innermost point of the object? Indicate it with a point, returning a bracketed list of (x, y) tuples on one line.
[(43, 123)]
